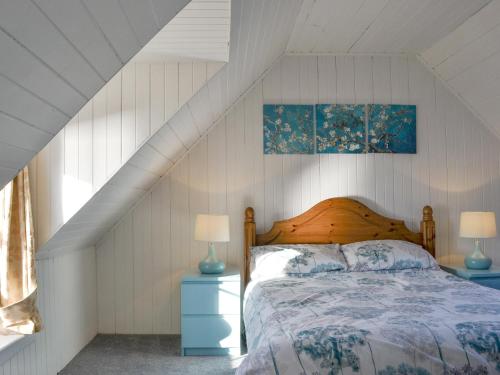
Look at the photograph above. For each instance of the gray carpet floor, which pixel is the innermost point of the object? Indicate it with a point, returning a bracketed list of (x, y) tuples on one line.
[(144, 355)]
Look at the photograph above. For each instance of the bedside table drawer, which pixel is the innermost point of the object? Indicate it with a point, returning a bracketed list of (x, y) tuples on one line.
[(211, 331), (210, 298), (488, 281)]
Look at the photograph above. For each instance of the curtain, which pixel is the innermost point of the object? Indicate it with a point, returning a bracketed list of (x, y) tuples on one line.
[(18, 311)]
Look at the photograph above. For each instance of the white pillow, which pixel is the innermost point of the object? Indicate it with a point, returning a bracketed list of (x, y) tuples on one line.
[(279, 260), (386, 255)]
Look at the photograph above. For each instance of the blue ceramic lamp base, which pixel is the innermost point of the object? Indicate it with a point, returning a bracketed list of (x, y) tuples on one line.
[(477, 260), (211, 265)]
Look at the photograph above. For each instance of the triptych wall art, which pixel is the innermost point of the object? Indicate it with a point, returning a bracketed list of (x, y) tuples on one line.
[(288, 129), (339, 128)]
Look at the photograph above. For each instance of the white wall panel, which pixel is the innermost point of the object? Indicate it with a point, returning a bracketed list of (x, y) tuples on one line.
[(56, 175), (67, 303), (227, 171), (216, 175), (123, 267), (105, 134), (157, 91), (171, 89), (180, 235), (142, 100), (185, 82), (198, 201), (161, 257), (99, 140), (142, 266), (113, 125)]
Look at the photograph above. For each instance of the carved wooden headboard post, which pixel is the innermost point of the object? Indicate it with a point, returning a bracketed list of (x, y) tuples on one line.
[(428, 230), (250, 233)]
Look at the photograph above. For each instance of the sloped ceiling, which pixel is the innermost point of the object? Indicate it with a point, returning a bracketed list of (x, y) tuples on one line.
[(199, 31), (468, 61), (457, 39), (260, 30), (377, 26), (55, 55)]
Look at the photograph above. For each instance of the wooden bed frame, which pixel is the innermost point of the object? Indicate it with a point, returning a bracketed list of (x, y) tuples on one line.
[(336, 220)]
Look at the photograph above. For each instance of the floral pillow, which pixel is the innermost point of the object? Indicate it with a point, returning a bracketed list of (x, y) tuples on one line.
[(279, 260), (386, 255)]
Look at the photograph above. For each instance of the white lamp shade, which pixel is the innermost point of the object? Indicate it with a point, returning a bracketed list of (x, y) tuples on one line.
[(478, 224), (212, 228)]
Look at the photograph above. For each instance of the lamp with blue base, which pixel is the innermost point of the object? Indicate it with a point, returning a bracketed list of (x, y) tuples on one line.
[(476, 225), (211, 264), (212, 228)]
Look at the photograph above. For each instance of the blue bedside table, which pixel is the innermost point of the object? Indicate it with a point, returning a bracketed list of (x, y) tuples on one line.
[(489, 278), (210, 313)]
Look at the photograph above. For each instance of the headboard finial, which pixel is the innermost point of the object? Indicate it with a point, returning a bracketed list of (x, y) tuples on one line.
[(249, 215), (427, 213), (249, 241), (428, 230)]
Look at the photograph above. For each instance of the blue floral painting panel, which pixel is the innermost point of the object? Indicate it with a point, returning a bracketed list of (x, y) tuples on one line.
[(288, 129), (340, 128), (392, 128)]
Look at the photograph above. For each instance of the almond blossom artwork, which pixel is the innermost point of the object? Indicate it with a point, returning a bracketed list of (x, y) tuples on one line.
[(392, 128), (288, 129), (340, 128)]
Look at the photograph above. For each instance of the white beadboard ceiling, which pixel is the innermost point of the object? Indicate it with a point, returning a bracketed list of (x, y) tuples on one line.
[(468, 61), (199, 31), (259, 33), (55, 55), (457, 39), (377, 26)]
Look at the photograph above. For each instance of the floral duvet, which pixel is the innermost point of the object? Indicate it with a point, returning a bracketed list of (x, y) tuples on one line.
[(409, 322)]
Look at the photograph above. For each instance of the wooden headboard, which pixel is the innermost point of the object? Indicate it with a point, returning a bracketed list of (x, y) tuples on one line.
[(336, 220)]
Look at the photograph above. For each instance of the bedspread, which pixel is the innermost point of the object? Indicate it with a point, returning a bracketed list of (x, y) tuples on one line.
[(416, 322)]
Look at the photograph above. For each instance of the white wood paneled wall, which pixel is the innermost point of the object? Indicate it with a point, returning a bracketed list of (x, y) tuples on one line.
[(141, 260), (106, 133), (68, 305)]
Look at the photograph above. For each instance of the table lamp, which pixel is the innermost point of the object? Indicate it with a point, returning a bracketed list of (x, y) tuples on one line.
[(211, 228), (477, 225)]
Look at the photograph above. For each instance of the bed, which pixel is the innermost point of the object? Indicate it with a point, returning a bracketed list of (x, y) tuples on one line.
[(412, 320)]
